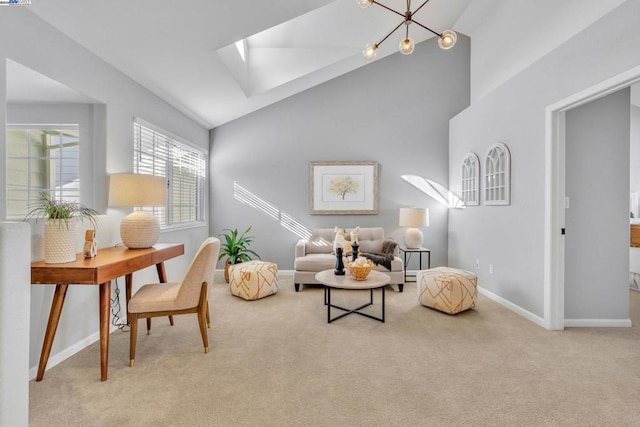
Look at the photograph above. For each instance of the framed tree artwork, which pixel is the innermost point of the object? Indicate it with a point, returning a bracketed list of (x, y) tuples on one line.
[(343, 188)]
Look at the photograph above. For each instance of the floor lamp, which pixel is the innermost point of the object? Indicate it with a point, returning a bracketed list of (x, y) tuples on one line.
[(140, 229)]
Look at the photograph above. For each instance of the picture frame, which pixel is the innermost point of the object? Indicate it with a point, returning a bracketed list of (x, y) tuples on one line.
[(343, 188)]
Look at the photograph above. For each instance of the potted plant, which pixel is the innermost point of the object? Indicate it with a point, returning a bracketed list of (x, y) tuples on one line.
[(60, 228), (236, 248)]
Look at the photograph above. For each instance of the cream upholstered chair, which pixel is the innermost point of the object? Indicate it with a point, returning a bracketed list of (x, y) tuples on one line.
[(188, 296)]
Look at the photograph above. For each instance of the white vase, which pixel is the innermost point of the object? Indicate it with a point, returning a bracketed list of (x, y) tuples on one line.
[(59, 241)]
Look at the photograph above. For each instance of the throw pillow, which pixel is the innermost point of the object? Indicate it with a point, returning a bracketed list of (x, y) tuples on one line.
[(340, 241), (354, 234)]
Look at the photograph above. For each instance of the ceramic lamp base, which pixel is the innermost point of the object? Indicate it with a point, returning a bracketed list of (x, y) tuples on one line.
[(413, 238), (139, 229)]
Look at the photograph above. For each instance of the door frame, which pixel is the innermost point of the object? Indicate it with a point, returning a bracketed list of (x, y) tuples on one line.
[(555, 195)]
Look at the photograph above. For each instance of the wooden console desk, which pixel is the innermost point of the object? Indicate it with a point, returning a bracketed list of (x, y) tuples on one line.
[(109, 264)]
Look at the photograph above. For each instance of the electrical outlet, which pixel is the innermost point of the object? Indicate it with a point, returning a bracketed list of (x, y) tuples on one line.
[(478, 263), (490, 268)]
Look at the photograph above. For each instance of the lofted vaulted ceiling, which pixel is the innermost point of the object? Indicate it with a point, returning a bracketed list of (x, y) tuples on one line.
[(177, 49)]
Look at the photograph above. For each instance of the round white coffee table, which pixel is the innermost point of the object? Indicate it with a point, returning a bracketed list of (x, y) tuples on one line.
[(375, 280)]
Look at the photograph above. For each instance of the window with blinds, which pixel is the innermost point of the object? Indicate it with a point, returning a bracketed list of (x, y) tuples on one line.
[(184, 167)]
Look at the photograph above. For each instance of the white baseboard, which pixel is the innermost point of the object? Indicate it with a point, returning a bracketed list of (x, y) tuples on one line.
[(513, 307), (597, 323), (63, 355), (570, 323)]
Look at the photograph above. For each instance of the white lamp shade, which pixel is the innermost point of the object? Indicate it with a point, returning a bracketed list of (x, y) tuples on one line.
[(412, 218), (140, 229), (130, 190)]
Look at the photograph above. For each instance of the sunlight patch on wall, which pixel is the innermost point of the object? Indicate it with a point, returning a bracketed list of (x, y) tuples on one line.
[(435, 190), (288, 222)]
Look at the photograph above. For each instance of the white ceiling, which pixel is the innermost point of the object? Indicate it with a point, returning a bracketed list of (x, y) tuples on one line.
[(171, 47)]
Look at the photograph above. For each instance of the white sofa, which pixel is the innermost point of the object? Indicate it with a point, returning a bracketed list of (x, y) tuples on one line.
[(316, 254)]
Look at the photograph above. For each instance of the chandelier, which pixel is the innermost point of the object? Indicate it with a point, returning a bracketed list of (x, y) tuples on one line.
[(446, 40)]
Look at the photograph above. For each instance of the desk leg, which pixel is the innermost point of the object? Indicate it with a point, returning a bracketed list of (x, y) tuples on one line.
[(52, 326), (162, 275), (105, 300), (128, 280)]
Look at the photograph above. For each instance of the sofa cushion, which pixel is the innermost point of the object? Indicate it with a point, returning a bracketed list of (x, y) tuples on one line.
[(314, 262), (322, 239), (319, 242), (319, 262)]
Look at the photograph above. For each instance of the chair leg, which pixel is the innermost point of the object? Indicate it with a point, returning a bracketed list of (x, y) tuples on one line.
[(208, 317), (133, 337), (148, 326), (202, 314), (171, 320)]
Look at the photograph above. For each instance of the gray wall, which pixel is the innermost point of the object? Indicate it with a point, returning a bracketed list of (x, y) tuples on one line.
[(597, 177), (394, 111), (635, 150), (14, 324), (51, 53), (512, 237)]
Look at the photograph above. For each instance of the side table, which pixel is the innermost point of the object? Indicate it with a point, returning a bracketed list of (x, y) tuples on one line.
[(419, 251)]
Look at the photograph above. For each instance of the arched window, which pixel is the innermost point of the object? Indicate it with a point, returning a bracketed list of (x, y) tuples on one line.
[(471, 180), (497, 175)]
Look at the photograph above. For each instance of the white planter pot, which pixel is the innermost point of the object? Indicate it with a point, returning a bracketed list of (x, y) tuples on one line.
[(59, 241)]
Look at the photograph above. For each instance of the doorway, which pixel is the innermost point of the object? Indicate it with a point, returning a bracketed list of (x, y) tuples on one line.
[(556, 192)]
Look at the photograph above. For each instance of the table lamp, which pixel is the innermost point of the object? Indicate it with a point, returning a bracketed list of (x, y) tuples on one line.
[(412, 218), (139, 229)]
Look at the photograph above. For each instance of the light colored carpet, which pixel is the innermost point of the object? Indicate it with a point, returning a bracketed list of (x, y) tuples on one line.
[(276, 362)]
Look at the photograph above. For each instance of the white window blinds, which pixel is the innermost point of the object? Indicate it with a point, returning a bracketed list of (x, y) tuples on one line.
[(184, 167)]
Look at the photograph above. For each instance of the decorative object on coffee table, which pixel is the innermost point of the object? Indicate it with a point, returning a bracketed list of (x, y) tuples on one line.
[(354, 251), (339, 271), (360, 268), (235, 247), (60, 228)]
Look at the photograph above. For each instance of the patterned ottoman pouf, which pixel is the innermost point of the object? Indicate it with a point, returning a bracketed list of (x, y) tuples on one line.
[(447, 289), (253, 280)]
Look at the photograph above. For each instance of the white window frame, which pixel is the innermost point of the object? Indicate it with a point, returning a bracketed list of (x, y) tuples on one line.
[(470, 181), (31, 190), (497, 175), (154, 153)]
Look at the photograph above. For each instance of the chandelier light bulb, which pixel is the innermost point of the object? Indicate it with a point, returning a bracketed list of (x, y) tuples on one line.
[(407, 46), (448, 39), (370, 51), (364, 3)]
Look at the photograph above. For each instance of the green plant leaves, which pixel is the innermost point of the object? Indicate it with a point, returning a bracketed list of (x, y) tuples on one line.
[(50, 208), (236, 247)]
